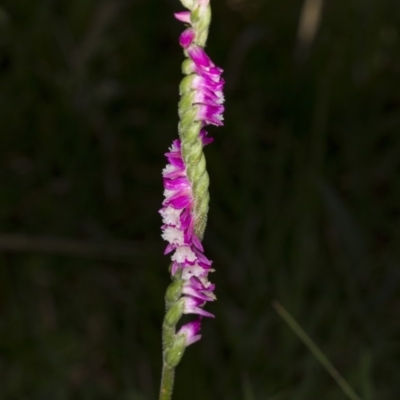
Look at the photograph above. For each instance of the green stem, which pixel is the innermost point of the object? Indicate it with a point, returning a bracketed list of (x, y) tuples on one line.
[(167, 382), (168, 372), (351, 394)]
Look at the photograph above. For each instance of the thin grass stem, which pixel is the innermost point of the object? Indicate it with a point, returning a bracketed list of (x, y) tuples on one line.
[(302, 335)]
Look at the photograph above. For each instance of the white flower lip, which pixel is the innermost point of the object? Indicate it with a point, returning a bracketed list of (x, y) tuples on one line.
[(183, 254), (173, 235)]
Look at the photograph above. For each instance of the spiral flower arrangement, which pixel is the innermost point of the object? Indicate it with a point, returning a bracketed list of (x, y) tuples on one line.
[(185, 207)]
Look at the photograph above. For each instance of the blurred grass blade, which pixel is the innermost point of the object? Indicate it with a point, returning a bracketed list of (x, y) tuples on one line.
[(284, 395), (247, 389), (302, 335), (310, 20), (3, 16)]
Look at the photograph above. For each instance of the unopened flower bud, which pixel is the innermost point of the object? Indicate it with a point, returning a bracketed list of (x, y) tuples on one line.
[(174, 314), (174, 354), (174, 291)]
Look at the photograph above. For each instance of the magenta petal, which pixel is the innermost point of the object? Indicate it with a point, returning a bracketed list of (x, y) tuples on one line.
[(190, 291), (186, 38), (213, 95), (192, 306), (174, 174), (202, 258), (205, 139), (179, 202), (211, 73), (175, 267), (176, 145), (214, 70), (211, 114), (173, 154), (199, 57), (191, 331), (176, 184), (200, 311), (206, 97), (205, 82), (183, 16), (192, 302), (169, 248), (205, 266), (211, 288), (176, 162), (196, 283), (185, 218), (188, 235), (197, 243), (187, 228), (193, 327)]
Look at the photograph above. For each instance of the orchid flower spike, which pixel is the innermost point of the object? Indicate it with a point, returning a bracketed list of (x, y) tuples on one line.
[(185, 206)]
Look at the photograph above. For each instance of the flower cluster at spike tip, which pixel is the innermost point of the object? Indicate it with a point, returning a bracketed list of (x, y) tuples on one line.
[(178, 229)]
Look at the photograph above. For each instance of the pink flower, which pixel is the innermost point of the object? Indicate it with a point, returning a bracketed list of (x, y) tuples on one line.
[(186, 38), (191, 331)]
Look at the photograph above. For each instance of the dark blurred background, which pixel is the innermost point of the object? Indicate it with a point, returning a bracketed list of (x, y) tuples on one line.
[(305, 199)]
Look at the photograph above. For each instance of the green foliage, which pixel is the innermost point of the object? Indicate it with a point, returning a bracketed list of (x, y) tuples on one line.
[(305, 195)]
